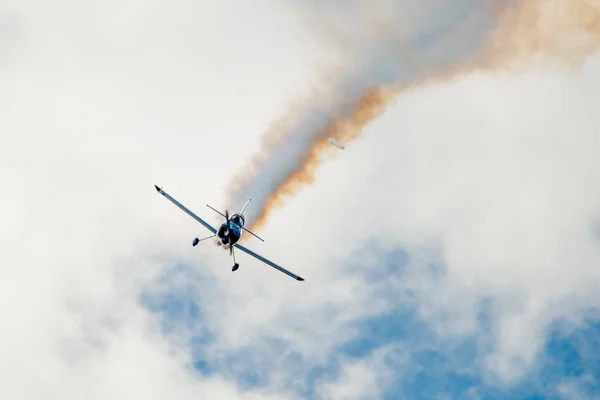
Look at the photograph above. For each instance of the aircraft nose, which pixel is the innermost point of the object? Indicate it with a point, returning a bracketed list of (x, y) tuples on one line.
[(157, 188)]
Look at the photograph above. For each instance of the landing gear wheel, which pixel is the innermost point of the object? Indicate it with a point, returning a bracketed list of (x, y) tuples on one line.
[(235, 267), (195, 242)]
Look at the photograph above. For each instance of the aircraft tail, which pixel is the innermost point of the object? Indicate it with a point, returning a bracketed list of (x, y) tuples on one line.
[(253, 234), (217, 211), (246, 229), (244, 209)]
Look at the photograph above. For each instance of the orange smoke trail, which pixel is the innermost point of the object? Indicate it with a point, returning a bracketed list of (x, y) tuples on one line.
[(534, 31), (545, 31), (369, 107), (278, 132)]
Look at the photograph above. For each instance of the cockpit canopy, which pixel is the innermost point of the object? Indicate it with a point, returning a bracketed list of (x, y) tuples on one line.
[(238, 219)]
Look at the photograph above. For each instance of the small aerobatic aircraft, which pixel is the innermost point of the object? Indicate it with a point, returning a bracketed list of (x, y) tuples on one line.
[(229, 233)]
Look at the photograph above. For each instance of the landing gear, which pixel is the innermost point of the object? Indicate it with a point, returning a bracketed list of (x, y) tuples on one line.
[(196, 240), (235, 264)]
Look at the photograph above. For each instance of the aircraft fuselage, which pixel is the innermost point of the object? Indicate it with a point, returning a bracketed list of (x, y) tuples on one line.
[(229, 237)]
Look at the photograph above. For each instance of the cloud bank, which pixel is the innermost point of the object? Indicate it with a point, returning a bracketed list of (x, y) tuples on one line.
[(462, 264), (393, 47)]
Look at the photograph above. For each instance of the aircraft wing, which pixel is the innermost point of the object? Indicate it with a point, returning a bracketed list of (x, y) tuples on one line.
[(191, 214), (272, 264)]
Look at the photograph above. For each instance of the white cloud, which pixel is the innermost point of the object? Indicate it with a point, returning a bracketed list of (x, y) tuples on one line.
[(574, 388), (96, 109), (495, 176), (359, 379)]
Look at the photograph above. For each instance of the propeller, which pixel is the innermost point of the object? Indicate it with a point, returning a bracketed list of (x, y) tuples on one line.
[(228, 232)]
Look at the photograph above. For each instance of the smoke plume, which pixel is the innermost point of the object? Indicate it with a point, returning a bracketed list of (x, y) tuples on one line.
[(395, 46)]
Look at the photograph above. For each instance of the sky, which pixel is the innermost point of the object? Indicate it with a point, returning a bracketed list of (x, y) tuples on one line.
[(450, 252)]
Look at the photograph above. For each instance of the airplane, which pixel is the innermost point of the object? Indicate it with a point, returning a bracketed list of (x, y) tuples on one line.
[(229, 234)]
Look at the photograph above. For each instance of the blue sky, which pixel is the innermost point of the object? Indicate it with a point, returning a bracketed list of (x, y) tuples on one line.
[(417, 363)]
